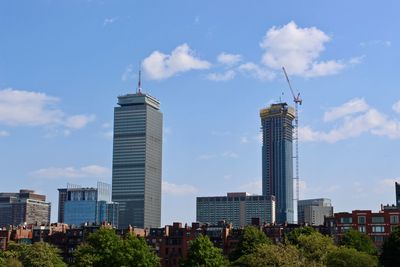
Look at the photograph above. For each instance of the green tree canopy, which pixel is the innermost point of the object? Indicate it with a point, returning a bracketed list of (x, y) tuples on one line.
[(202, 253), (37, 255), (105, 248), (315, 247), (294, 235), (271, 255), (390, 256), (251, 238), (350, 257), (359, 241)]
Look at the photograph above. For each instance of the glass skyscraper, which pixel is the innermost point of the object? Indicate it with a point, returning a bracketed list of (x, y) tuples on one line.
[(137, 156), (277, 158)]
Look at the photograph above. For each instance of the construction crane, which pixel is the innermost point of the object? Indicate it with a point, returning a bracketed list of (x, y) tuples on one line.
[(297, 100)]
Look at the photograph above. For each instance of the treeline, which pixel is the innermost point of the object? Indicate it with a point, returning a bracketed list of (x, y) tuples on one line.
[(303, 247)]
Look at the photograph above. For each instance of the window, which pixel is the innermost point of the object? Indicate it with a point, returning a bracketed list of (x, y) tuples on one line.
[(379, 219), (361, 229), (378, 238), (361, 219), (346, 220), (378, 229), (394, 219)]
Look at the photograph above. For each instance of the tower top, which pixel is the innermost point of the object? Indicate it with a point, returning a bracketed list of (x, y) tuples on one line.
[(139, 87)]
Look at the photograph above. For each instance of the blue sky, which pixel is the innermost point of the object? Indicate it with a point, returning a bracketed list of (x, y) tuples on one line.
[(213, 65)]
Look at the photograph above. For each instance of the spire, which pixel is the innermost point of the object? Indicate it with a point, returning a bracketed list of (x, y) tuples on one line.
[(139, 88)]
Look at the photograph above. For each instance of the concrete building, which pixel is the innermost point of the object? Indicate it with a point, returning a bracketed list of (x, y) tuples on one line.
[(314, 211), (397, 194), (137, 157), (277, 158), (25, 207), (236, 208), (79, 205)]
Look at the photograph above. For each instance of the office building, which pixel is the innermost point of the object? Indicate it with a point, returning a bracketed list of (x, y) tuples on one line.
[(137, 155), (25, 207), (236, 208), (79, 205), (277, 158), (314, 211), (397, 194)]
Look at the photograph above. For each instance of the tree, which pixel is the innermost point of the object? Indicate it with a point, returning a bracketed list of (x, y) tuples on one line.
[(203, 253), (294, 235), (315, 247), (350, 257), (359, 241), (105, 248), (391, 250), (271, 255), (251, 238), (39, 254)]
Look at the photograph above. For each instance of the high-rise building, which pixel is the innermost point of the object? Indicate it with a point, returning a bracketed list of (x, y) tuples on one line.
[(314, 211), (78, 205), (25, 207), (137, 156), (397, 194), (236, 208), (277, 158)]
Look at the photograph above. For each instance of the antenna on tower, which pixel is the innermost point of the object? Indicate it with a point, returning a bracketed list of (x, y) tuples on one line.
[(139, 88)]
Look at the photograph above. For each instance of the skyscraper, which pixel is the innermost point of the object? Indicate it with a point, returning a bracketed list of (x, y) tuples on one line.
[(314, 211), (397, 185), (277, 158), (137, 156)]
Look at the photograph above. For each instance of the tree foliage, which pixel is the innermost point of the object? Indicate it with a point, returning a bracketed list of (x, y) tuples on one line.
[(294, 235), (315, 247), (359, 241), (251, 238), (271, 255), (202, 253), (105, 248), (37, 255), (350, 257), (391, 250)]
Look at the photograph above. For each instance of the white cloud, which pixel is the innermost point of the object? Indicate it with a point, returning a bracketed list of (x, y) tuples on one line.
[(229, 59), (28, 108), (256, 71), (89, 171), (221, 77), (376, 42), (230, 154), (128, 73), (160, 66), (396, 107), (244, 140), (363, 120), (298, 49), (355, 105), (4, 133), (178, 189), (108, 21), (253, 187)]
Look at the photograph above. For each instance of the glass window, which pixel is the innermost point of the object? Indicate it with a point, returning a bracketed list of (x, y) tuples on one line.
[(377, 219), (378, 238), (394, 219), (361, 219), (378, 229), (346, 220), (361, 229)]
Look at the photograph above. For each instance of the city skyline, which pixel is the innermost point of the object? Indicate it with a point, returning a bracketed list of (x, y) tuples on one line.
[(63, 65)]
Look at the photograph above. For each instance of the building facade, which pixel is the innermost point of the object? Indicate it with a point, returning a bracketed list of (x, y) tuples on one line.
[(25, 207), (277, 158), (397, 194), (314, 211), (377, 225), (236, 208), (137, 157), (87, 205)]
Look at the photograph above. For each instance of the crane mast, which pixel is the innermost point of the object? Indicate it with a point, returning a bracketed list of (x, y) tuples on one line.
[(297, 100)]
